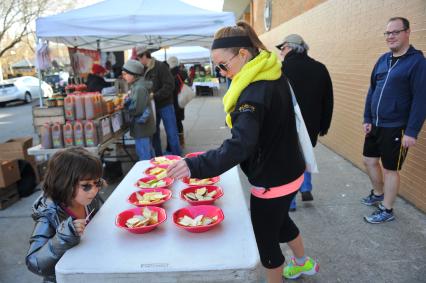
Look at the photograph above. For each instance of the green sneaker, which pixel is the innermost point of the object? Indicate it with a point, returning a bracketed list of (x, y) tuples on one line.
[(293, 270)]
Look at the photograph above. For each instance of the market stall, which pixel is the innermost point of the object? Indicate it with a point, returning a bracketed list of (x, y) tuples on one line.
[(117, 25), (107, 253)]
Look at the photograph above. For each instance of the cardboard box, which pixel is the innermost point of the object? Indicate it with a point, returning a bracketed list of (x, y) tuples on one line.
[(17, 149), (9, 172), (8, 196)]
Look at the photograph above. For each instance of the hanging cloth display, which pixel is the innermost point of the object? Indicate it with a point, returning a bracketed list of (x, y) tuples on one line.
[(43, 57)]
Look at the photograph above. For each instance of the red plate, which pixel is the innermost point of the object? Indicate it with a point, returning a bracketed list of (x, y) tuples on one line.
[(193, 154), (192, 189), (147, 171), (194, 211), (168, 181), (213, 180), (123, 216), (134, 200), (169, 157)]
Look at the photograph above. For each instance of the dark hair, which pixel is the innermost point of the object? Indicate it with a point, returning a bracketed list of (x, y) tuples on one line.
[(66, 168), (146, 53), (404, 21), (242, 29)]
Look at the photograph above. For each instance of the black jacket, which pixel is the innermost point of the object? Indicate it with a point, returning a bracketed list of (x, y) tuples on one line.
[(264, 139), (95, 83), (158, 73), (312, 86)]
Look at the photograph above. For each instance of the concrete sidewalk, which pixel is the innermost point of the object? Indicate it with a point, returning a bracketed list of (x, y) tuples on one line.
[(347, 248)]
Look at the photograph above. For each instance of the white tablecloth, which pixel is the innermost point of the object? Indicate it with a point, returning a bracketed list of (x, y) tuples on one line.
[(227, 253)]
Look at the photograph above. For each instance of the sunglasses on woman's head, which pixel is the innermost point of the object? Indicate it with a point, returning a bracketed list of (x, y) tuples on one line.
[(88, 187)]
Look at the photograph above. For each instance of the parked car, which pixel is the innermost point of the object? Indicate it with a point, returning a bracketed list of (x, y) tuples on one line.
[(23, 88), (58, 82)]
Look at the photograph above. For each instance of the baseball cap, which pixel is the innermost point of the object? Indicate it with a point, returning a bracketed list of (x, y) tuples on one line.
[(140, 49), (292, 38)]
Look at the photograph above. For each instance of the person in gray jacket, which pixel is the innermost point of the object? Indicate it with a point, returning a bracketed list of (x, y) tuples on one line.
[(138, 103), (69, 200), (163, 84)]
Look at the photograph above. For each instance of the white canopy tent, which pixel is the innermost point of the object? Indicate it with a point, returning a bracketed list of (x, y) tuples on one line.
[(185, 54), (116, 25)]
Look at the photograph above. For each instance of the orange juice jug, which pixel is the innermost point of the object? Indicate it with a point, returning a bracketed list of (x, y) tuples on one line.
[(68, 134), (80, 113), (90, 134), (100, 101), (57, 137), (90, 106), (46, 136), (78, 133), (69, 107)]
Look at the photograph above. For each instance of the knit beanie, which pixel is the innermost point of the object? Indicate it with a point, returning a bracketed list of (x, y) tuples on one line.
[(98, 69), (133, 67)]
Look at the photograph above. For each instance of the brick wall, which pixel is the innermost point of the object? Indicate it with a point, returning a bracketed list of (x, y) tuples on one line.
[(347, 36)]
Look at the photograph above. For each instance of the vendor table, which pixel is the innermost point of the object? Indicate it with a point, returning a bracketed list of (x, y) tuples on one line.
[(106, 253), (98, 150), (213, 85)]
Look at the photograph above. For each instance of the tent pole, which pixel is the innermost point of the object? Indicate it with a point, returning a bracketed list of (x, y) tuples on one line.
[(39, 80)]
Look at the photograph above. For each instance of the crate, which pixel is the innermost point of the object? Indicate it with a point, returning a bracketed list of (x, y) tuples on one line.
[(8, 196), (51, 115), (9, 173)]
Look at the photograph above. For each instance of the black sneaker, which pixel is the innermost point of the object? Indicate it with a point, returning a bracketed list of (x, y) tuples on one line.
[(307, 196)]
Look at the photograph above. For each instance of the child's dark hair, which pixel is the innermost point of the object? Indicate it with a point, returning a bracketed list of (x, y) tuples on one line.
[(66, 168)]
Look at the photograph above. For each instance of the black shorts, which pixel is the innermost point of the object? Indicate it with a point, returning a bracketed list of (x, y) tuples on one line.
[(272, 225), (386, 144)]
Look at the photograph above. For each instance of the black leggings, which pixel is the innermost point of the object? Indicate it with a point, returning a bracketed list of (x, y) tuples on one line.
[(272, 225)]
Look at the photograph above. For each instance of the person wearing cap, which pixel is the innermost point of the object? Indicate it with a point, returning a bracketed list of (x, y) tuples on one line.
[(137, 104), (95, 81), (263, 141), (163, 84), (313, 89), (179, 77)]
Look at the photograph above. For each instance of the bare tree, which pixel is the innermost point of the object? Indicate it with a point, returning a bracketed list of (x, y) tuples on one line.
[(16, 21)]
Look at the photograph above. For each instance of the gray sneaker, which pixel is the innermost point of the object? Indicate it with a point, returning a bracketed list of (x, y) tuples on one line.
[(372, 199), (379, 216)]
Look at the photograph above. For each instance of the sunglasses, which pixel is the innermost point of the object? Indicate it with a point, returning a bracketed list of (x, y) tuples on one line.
[(88, 187), (224, 66)]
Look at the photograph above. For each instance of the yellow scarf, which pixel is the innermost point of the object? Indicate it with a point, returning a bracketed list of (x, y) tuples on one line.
[(264, 66)]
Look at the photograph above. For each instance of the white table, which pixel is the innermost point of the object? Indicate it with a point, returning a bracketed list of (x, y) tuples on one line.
[(227, 253), (214, 85)]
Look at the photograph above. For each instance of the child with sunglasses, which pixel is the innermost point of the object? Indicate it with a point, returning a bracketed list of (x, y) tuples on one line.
[(68, 202)]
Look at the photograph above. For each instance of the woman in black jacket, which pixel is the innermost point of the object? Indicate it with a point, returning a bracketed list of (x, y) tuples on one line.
[(264, 142)]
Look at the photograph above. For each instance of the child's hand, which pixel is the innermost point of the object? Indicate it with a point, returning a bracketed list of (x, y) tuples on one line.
[(79, 225)]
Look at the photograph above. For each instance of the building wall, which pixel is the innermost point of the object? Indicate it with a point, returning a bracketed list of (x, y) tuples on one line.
[(347, 36)]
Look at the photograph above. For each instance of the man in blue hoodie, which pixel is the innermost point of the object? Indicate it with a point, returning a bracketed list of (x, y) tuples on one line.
[(394, 114)]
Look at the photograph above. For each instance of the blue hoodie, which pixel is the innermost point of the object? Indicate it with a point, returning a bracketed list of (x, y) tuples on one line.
[(397, 94)]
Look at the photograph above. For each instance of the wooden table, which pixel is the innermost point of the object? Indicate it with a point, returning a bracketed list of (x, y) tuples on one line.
[(227, 253)]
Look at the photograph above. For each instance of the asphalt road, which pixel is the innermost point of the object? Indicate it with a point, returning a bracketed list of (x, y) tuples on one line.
[(16, 120)]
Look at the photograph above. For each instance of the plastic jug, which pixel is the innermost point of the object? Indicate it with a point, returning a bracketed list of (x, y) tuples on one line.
[(68, 134), (90, 106), (90, 134), (69, 107), (46, 136), (78, 133), (57, 137), (80, 113)]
